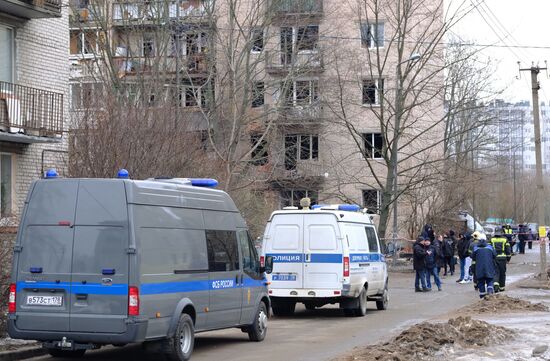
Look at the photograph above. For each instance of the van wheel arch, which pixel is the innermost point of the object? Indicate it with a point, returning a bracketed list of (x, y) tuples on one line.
[(267, 303), (185, 305)]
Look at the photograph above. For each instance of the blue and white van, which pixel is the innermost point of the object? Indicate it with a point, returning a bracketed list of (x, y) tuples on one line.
[(326, 255)]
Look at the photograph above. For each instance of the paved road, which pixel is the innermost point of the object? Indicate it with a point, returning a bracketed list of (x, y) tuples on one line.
[(325, 333)]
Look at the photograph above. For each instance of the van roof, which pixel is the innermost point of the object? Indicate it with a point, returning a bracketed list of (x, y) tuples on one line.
[(357, 217), (159, 193)]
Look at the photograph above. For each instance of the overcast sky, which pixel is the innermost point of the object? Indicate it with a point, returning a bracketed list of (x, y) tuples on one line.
[(510, 24)]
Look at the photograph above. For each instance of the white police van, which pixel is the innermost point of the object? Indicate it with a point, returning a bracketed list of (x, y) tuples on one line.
[(326, 255)]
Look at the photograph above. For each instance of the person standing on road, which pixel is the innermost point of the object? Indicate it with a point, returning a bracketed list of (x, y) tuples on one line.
[(419, 265), (530, 239), (475, 240), (439, 245), (484, 257), (462, 250), (432, 254), (503, 254), (449, 247), (522, 237)]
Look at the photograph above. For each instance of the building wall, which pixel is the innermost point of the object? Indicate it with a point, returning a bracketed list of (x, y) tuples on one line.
[(41, 50)]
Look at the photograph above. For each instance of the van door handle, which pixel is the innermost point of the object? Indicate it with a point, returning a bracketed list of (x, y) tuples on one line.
[(308, 257), (81, 296), (237, 280), (242, 279)]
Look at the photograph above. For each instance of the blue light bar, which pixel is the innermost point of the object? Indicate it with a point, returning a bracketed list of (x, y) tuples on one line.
[(204, 182), (349, 207), (318, 206), (123, 174), (51, 173)]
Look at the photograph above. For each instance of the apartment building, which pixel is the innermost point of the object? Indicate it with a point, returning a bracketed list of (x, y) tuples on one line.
[(33, 81), (287, 89)]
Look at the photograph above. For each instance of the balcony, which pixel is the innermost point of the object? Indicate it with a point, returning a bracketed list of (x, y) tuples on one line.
[(83, 17), (30, 115), (300, 115), (305, 62), (194, 64), (305, 172), (32, 9), (309, 8), (152, 13)]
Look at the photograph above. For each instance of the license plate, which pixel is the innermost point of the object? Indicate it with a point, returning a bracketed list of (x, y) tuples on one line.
[(45, 300), (282, 277)]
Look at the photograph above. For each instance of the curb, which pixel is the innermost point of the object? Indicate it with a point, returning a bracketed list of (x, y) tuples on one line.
[(22, 353)]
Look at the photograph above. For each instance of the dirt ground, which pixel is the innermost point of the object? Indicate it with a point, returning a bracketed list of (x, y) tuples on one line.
[(424, 340), (500, 303), (440, 340)]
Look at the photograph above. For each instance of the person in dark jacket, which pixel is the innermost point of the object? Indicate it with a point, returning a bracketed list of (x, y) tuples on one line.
[(440, 258), (419, 265), (449, 249), (522, 237), (462, 251), (432, 254), (428, 233), (484, 255)]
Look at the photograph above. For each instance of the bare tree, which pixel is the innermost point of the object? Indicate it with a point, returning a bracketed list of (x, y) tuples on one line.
[(405, 124)]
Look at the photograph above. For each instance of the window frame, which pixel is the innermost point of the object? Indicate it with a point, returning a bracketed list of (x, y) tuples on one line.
[(291, 94), (373, 151), (210, 252), (82, 42), (12, 185), (11, 31), (313, 140), (378, 85), (378, 200), (371, 39), (257, 35), (261, 151), (243, 236), (258, 96), (312, 194)]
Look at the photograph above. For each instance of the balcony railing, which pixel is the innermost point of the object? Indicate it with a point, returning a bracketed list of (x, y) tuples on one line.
[(303, 170), (37, 9), (30, 111), (296, 62), (300, 114), (298, 7), (151, 12), (79, 17), (188, 64)]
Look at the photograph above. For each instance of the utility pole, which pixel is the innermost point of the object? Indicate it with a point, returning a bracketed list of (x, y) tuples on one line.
[(535, 86)]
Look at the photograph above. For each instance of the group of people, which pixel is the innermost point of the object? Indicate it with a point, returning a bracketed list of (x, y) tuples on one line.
[(482, 261)]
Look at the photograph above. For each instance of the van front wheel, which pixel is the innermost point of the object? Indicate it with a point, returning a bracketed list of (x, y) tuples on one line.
[(180, 346), (258, 329)]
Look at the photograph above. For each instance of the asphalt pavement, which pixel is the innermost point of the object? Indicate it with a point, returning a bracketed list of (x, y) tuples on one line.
[(325, 333)]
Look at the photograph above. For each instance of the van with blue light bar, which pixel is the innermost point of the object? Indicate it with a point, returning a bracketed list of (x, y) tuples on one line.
[(119, 261), (325, 254)]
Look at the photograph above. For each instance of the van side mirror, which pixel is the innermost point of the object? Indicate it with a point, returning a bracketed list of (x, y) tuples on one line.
[(268, 267)]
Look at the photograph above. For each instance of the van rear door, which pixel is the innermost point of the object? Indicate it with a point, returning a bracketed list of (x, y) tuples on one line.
[(285, 244), (323, 259), (45, 257), (99, 299)]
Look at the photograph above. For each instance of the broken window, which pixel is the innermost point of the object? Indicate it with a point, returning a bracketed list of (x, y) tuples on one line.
[(374, 143), (307, 37), (372, 91), (259, 156), (300, 146), (372, 35), (372, 199), (258, 92), (257, 39)]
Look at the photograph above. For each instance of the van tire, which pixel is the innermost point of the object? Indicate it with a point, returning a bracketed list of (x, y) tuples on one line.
[(55, 352), (258, 329), (383, 303), (309, 306), (283, 308), (180, 346), (361, 309)]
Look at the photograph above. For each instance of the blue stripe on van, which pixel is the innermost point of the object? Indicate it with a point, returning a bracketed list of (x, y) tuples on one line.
[(366, 257), (195, 286), (146, 288), (74, 288), (287, 257), (300, 257), (326, 258)]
